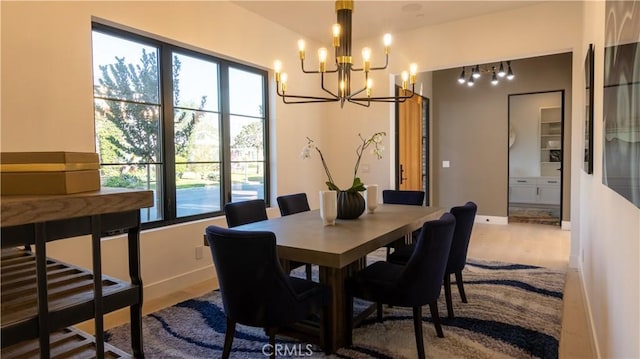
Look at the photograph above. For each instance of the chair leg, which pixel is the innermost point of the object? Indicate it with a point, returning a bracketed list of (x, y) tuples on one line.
[(309, 271), (228, 338), (447, 294), (435, 317), (379, 312), (417, 327), (461, 286)]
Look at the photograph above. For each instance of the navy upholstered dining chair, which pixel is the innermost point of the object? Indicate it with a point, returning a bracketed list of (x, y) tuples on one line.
[(292, 204), (414, 284), (255, 289), (465, 217), (239, 213), (408, 197)]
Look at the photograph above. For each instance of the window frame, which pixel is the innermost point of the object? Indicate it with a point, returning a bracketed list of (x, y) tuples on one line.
[(166, 50)]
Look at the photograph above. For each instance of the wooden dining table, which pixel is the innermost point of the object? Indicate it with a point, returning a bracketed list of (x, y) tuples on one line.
[(341, 249)]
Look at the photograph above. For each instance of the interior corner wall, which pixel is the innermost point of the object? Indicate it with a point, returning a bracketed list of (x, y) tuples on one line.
[(609, 253), (470, 130)]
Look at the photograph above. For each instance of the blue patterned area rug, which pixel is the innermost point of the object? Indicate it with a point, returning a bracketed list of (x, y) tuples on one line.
[(513, 311)]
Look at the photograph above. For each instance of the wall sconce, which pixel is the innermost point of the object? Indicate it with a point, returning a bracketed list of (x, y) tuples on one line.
[(477, 71)]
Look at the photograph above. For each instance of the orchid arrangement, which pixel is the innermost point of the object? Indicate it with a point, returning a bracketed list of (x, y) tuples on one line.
[(375, 141)]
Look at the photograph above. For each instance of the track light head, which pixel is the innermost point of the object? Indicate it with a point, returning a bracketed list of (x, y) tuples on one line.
[(476, 72), (462, 79), (501, 72), (510, 74)]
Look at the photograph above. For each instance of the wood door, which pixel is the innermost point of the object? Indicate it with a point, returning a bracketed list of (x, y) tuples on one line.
[(410, 144)]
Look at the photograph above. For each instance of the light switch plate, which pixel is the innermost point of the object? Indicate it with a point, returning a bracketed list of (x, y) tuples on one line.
[(445, 164)]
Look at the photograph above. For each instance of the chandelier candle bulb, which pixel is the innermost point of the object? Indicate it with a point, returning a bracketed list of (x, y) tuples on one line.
[(322, 57), (301, 49), (366, 57), (336, 35), (405, 78), (413, 71), (386, 40), (277, 67)]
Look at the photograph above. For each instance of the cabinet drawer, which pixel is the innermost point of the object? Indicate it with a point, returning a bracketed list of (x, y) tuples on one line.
[(521, 180), (549, 182)]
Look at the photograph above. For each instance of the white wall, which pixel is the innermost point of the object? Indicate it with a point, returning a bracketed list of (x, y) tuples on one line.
[(609, 228)]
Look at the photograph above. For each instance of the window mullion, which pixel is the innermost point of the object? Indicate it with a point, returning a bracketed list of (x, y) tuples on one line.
[(226, 133), (168, 152)]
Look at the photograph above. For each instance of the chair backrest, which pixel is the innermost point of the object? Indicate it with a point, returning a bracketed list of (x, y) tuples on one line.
[(239, 213), (255, 290), (421, 279), (293, 203), (465, 216), (391, 196)]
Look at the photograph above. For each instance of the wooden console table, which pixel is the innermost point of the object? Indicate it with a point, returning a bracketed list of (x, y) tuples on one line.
[(41, 296)]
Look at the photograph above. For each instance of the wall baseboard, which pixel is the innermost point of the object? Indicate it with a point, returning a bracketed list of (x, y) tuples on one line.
[(587, 304), (177, 283), (565, 225), (492, 220)]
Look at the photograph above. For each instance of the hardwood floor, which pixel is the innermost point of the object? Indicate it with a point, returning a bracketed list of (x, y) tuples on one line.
[(534, 244)]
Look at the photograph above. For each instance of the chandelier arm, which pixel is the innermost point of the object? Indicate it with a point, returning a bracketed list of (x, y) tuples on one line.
[(359, 102), (386, 64), (400, 99), (325, 89), (357, 92), (378, 99), (309, 99), (316, 71), (302, 97)]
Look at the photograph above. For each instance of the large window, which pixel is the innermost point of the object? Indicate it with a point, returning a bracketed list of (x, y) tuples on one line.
[(189, 126)]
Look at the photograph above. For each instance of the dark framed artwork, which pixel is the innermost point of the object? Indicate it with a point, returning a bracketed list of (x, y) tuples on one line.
[(621, 102), (588, 125)]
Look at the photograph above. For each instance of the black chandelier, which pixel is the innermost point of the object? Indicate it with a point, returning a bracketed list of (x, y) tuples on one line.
[(344, 68), (496, 75)]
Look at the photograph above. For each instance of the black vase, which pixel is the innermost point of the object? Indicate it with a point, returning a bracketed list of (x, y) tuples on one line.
[(350, 205)]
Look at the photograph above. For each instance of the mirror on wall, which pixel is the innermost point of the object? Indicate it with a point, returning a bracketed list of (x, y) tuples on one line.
[(535, 157)]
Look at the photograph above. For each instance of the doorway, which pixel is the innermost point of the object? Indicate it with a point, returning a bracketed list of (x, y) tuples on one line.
[(536, 123), (412, 144)]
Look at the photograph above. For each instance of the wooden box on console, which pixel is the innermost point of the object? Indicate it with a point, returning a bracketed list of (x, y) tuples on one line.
[(41, 173)]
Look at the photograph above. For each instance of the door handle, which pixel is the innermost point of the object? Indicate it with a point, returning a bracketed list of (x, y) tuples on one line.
[(402, 177)]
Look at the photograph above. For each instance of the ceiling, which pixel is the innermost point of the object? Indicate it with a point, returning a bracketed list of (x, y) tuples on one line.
[(313, 19)]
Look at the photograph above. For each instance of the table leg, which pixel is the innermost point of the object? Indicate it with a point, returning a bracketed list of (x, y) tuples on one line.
[(334, 316)]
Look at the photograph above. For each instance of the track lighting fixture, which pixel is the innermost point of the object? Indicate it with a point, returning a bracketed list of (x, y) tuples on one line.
[(477, 71), (462, 78)]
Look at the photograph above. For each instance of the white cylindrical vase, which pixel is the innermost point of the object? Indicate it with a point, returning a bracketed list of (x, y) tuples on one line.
[(328, 207), (372, 198)]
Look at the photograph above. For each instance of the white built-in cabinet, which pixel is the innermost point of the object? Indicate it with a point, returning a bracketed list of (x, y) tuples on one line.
[(550, 141), (534, 190)]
